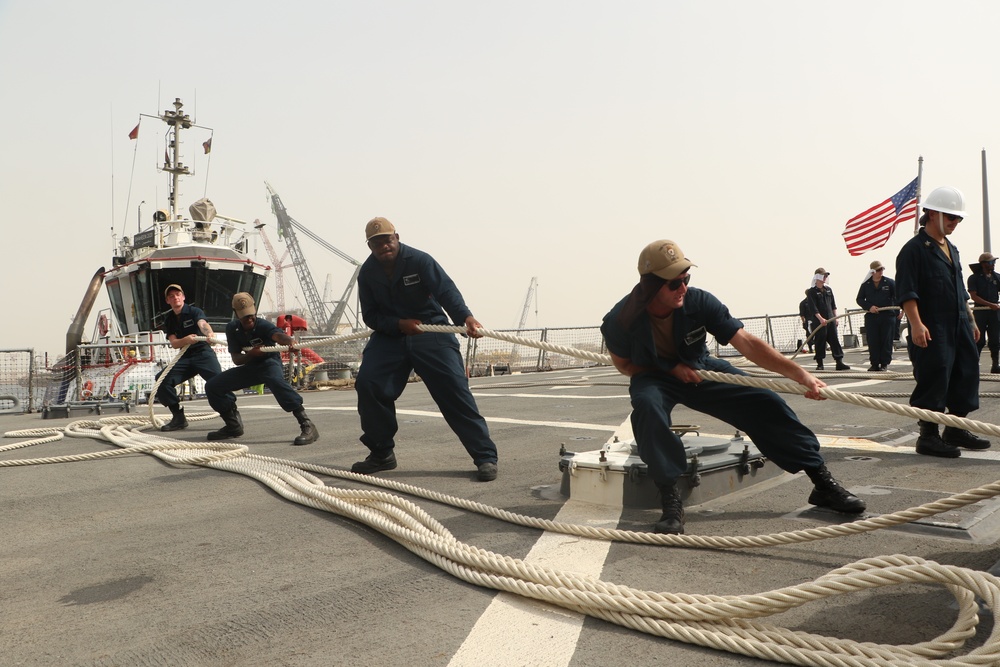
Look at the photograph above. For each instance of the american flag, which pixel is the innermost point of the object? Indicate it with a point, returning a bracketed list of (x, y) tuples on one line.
[(871, 229)]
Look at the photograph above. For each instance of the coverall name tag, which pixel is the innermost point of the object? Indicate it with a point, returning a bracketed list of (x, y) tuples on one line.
[(187, 323), (695, 336), (411, 279)]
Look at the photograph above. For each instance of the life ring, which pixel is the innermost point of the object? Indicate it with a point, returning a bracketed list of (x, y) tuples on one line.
[(103, 325), (88, 389)]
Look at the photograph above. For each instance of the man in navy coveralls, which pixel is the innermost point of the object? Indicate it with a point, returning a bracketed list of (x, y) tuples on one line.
[(400, 288), (943, 331), (254, 367), (183, 323), (657, 337)]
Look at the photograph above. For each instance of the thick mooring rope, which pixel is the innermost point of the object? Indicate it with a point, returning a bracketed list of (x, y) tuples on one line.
[(721, 622)]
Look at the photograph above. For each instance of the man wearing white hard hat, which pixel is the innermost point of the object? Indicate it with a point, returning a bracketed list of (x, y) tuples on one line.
[(943, 331)]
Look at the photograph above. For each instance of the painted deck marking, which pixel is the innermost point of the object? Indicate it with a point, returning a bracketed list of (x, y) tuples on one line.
[(515, 630)]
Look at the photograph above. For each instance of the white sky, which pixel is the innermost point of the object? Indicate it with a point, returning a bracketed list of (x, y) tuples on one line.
[(509, 140)]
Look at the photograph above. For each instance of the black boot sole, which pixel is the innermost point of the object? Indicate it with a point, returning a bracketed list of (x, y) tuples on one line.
[(940, 453), (820, 499), (167, 428), (220, 435)]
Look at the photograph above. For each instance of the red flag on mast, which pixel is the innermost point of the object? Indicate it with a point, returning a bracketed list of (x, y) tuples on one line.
[(207, 145), (134, 134)]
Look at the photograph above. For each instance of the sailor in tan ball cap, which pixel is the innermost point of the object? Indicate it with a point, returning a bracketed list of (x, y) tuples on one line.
[(877, 297), (658, 336), (401, 288), (252, 368)]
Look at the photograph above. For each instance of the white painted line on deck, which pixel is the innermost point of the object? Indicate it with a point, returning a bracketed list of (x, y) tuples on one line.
[(579, 426), (493, 394), (517, 631)]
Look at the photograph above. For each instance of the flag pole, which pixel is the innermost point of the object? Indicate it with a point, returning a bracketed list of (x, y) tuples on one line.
[(920, 180), (986, 209)]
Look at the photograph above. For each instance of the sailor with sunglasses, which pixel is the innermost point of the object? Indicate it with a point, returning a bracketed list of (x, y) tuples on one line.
[(657, 337), (943, 331)]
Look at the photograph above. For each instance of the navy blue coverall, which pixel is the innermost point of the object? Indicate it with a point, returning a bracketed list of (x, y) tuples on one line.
[(824, 303), (199, 359), (266, 369), (418, 289), (947, 370), (760, 413), (988, 321), (880, 327)]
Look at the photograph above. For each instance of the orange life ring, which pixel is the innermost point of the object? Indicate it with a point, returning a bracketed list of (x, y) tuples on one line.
[(88, 389)]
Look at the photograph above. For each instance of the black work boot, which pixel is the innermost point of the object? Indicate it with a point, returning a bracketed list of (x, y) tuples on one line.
[(930, 443), (995, 368), (375, 464), (177, 421), (672, 521), (841, 366), (829, 493), (958, 437), (309, 432), (232, 429)]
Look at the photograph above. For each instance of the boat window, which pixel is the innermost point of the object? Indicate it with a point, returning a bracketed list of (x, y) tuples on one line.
[(117, 306), (210, 289), (142, 299)]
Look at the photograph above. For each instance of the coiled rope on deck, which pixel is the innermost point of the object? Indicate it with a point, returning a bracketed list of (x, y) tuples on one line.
[(721, 622)]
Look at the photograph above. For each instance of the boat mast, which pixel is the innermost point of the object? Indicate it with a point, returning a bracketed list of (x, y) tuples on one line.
[(177, 121)]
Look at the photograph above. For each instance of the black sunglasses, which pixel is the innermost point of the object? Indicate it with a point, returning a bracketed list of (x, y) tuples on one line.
[(676, 283), (952, 217)]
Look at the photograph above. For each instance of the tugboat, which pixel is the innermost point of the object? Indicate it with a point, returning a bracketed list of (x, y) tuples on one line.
[(203, 251)]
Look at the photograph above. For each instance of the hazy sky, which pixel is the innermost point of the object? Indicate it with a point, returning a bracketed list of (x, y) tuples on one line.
[(510, 140)]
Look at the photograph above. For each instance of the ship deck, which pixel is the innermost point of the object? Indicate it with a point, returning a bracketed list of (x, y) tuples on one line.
[(133, 561)]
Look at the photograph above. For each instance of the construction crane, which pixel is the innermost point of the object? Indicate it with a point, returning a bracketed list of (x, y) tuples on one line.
[(515, 352), (279, 266), (527, 303), (325, 321)]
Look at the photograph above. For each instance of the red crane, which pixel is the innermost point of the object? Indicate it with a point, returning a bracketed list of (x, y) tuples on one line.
[(279, 265)]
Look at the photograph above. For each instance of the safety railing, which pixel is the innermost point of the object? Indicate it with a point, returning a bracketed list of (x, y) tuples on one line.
[(126, 371)]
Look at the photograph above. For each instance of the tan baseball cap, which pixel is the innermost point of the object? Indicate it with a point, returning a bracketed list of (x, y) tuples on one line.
[(821, 272), (166, 292), (986, 257), (243, 305), (663, 258), (876, 265), (378, 227)]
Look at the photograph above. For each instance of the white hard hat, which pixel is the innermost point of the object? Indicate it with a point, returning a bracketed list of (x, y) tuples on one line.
[(946, 199)]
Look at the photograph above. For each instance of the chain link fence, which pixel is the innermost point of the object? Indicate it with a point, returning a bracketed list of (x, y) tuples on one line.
[(19, 381)]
